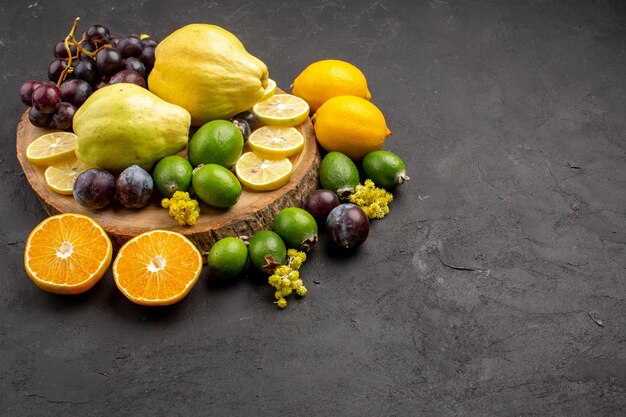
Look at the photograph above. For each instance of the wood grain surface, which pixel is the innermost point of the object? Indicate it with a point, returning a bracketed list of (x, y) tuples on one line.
[(253, 212)]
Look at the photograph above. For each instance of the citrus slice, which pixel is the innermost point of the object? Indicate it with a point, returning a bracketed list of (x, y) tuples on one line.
[(157, 268), (67, 253), (262, 174), (270, 90), (51, 148), (60, 177), (276, 142), (282, 110)]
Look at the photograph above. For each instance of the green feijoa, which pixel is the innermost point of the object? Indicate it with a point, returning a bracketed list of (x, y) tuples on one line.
[(227, 258), (296, 227), (385, 168), (339, 174), (267, 251), (216, 142), (216, 186), (171, 174)]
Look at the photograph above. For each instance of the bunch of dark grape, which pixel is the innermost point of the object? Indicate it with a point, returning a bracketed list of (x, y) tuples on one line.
[(82, 66)]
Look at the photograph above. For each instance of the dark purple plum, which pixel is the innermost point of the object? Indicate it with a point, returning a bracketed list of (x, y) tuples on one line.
[(109, 61), (129, 46), (94, 188), (348, 226), (128, 76), (46, 97), (75, 91), (63, 116), (244, 127), (56, 68), (135, 64), (38, 118), (321, 202), (26, 91), (134, 187), (87, 71)]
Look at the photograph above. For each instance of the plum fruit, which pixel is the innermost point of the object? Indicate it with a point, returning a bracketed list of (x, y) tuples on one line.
[(134, 187), (348, 226), (94, 188)]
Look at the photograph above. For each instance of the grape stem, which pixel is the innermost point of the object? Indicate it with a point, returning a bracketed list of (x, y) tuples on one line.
[(70, 40)]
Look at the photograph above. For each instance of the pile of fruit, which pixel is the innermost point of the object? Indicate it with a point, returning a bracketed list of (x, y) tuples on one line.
[(129, 131)]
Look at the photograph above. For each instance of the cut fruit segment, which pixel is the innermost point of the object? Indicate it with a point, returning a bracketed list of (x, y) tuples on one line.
[(262, 174), (51, 148), (60, 177), (67, 254), (157, 268), (282, 110), (276, 142), (270, 90)]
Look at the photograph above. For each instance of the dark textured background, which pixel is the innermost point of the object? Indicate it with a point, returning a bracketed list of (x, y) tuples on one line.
[(475, 296)]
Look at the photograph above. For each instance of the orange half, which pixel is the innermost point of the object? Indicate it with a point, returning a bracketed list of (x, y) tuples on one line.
[(67, 253), (157, 268)]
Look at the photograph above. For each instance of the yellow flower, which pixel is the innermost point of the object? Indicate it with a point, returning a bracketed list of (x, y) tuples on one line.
[(373, 201), (182, 208), (282, 303)]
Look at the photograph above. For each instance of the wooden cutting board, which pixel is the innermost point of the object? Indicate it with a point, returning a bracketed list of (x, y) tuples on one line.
[(253, 212)]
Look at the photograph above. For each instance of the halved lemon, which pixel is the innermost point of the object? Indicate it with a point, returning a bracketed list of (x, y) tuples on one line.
[(281, 110), (51, 148), (262, 174), (270, 90), (60, 177), (276, 142)]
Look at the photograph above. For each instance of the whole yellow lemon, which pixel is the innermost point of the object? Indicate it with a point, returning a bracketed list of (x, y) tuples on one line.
[(329, 78), (350, 125)]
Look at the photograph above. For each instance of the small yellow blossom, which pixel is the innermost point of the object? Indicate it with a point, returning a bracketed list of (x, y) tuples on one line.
[(182, 208), (286, 278), (373, 201)]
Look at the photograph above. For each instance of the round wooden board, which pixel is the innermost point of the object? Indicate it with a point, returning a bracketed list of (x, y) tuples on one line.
[(253, 212)]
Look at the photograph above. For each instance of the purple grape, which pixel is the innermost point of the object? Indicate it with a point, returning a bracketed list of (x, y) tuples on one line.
[(46, 97), (103, 83), (60, 51), (87, 71), (348, 226), (147, 57), (249, 117), (134, 187), (75, 91), (63, 116), (149, 42), (56, 68), (109, 61), (321, 202), (129, 46), (244, 127), (127, 76), (89, 48), (113, 40), (26, 91), (135, 64), (94, 188), (38, 118), (98, 35)]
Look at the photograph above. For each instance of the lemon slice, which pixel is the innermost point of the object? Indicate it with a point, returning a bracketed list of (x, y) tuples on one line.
[(270, 90), (262, 174), (51, 148), (60, 178), (282, 110), (276, 142)]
